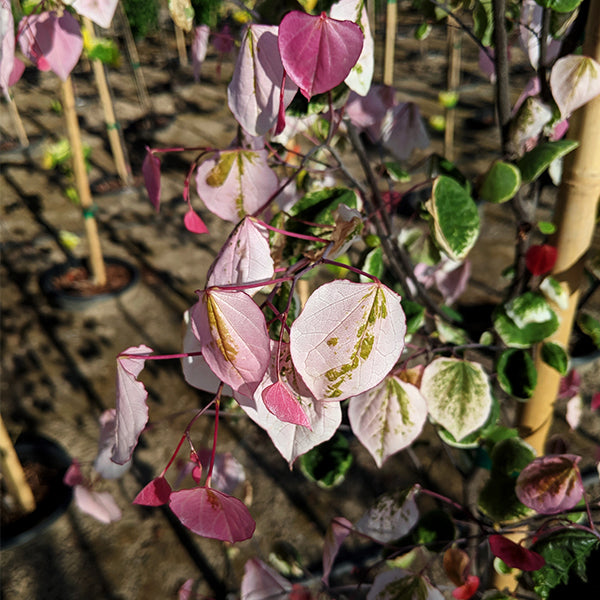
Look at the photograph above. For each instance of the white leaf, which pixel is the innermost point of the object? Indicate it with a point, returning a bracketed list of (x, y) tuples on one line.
[(574, 81)]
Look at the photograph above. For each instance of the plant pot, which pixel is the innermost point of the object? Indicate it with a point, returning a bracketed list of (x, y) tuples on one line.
[(68, 285), (45, 464)]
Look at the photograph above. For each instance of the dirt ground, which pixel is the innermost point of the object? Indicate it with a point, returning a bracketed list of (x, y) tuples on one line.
[(58, 366)]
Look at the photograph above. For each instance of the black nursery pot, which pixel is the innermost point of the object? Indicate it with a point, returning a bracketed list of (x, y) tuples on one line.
[(49, 462), (72, 298)]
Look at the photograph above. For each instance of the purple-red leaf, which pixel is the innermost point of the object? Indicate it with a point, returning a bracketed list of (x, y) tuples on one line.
[(339, 529), (255, 89), (212, 514), (73, 476), (132, 411), (155, 493), (261, 582), (100, 505), (280, 401), (514, 555), (550, 484), (244, 258), (318, 52), (194, 223), (233, 336), (51, 42), (151, 173), (540, 259)]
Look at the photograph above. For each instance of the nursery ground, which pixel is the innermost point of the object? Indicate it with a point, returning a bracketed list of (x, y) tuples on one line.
[(58, 367)]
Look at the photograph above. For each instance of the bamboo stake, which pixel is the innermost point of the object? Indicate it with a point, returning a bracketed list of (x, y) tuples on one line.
[(134, 60), (390, 42), (575, 218), (18, 123), (181, 49), (13, 474), (454, 46), (112, 126), (97, 268)]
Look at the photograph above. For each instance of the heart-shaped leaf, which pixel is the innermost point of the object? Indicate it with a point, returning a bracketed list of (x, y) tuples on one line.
[(339, 529), (194, 223), (155, 493), (556, 356), (348, 338), (100, 12), (280, 401), (318, 52), (517, 374), (458, 394), (574, 81), (100, 505), (515, 555), (500, 183), (262, 581), (540, 259)]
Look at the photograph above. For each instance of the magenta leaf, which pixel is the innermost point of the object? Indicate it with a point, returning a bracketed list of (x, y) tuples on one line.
[(73, 476), (595, 403), (132, 411), (212, 514), (103, 463), (233, 336), (318, 52), (467, 589), (234, 183), (254, 92), (151, 173), (199, 48), (348, 338), (155, 493), (194, 223), (291, 440), (52, 42), (100, 505), (244, 258), (261, 581), (280, 401), (514, 555), (100, 12), (550, 484), (339, 529)]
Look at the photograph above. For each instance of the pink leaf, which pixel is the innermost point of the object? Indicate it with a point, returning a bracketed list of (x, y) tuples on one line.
[(388, 417), (194, 223), (530, 30), (574, 412), (280, 401), (233, 336), (212, 514), (550, 484), (339, 529), (369, 111), (595, 404), (452, 282), (569, 385), (186, 590), (132, 411), (289, 439), (574, 81), (261, 582), (227, 473), (223, 41), (348, 338), (254, 92), (318, 52), (466, 590), (103, 464), (234, 183), (100, 12), (515, 555), (155, 493), (7, 46), (404, 131), (151, 173), (199, 48), (244, 258), (73, 476), (100, 505), (52, 41)]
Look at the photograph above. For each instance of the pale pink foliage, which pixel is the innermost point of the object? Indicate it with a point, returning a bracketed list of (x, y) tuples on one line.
[(574, 81), (103, 464), (199, 49), (100, 12), (10, 67), (100, 505), (318, 52), (228, 473), (132, 411), (339, 529), (261, 581), (348, 338)]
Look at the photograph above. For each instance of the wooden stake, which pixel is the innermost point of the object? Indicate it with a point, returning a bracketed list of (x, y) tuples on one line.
[(181, 49), (18, 123), (390, 42), (575, 218), (454, 47), (12, 472), (97, 268), (112, 126)]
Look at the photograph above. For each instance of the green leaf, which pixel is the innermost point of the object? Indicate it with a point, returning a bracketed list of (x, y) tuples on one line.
[(555, 292), (455, 224), (374, 264), (450, 334), (510, 456), (327, 463), (483, 21), (517, 375), (590, 326), (500, 183), (560, 6), (422, 32), (415, 315), (546, 227), (536, 161), (396, 172), (458, 395), (566, 553), (556, 356), (528, 330)]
